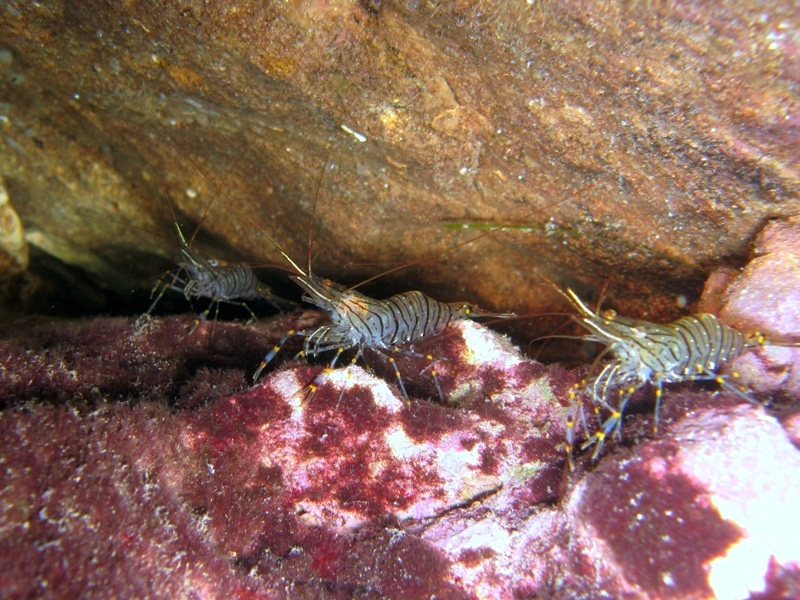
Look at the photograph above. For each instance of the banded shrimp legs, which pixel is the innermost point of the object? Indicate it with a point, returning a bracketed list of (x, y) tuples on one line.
[(692, 348)]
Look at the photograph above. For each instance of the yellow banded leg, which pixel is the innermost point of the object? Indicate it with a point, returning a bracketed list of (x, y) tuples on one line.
[(400, 384), (273, 352)]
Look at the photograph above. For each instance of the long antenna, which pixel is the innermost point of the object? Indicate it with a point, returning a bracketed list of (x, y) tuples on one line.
[(177, 225), (196, 165), (277, 245), (210, 202), (314, 211)]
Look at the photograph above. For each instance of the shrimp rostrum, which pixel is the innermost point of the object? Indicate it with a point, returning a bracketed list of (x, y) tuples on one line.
[(692, 348)]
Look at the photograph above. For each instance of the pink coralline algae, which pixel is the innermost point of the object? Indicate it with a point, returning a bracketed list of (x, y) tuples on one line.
[(143, 464)]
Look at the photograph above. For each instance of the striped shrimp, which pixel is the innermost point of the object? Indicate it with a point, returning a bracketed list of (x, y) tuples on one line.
[(199, 276), (361, 322), (692, 348), (358, 321)]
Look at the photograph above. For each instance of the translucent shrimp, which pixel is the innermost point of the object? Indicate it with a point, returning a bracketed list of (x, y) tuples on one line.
[(217, 280), (692, 348), (361, 322), (200, 276)]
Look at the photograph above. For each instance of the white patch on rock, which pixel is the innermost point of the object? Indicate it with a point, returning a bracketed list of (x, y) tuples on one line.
[(402, 446), (382, 393), (484, 346), (752, 473)]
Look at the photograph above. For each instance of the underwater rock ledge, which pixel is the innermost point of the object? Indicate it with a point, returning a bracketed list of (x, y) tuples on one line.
[(649, 140)]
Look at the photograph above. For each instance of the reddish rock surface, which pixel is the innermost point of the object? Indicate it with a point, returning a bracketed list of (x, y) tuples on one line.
[(765, 297)]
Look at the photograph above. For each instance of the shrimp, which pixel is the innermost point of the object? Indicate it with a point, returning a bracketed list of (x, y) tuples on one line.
[(364, 323), (199, 276), (692, 348), (361, 322)]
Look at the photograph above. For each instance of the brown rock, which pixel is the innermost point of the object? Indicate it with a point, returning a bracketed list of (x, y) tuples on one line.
[(646, 142)]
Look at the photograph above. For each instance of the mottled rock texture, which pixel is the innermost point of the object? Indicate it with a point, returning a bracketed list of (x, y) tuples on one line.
[(645, 144), (644, 141)]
